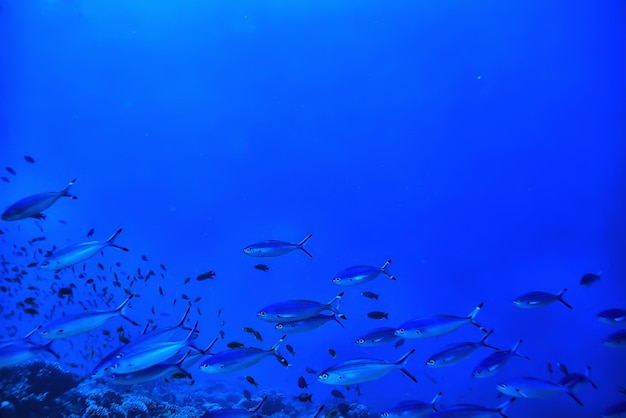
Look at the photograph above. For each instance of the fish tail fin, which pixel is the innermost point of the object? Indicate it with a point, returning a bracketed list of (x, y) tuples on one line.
[(122, 310), (560, 298), (301, 245), (47, 347), (111, 240), (472, 317), (276, 352), (515, 349), (504, 406), (405, 358), (184, 318), (209, 347), (483, 341), (191, 334), (335, 315), (66, 190), (384, 270), (409, 375), (275, 347), (588, 377), (574, 397), (30, 334), (433, 403), (256, 408), (319, 411), (336, 312)]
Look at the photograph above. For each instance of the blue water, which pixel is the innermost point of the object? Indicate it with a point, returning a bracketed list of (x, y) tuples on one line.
[(480, 146)]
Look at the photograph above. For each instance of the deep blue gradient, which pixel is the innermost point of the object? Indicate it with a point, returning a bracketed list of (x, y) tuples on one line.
[(480, 145)]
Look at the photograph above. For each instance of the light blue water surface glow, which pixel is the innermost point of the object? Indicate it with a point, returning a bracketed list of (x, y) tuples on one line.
[(480, 145)]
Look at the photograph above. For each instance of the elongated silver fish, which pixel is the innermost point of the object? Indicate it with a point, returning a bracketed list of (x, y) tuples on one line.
[(613, 316), (434, 326), (495, 362), (148, 355), (377, 337), (531, 387), (457, 352), (361, 274), (19, 341), (473, 411), (534, 300), (297, 310), (159, 335), (11, 355), (235, 413), (71, 325), (615, 340), (307, 324), (241, 358), (412, 409), (274, 248), (356, 371), (151, 373), (78, 253), (33, 206)]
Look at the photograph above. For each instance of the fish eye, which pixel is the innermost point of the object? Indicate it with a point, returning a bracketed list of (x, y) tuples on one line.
[(517, 301), (44, 332), (324, 376), (337, 279), (262, 314), (385, 414), (279, 326), (360, 341), (401, 331), (477, 372), (430, 362), (502, 385), (221, 366)]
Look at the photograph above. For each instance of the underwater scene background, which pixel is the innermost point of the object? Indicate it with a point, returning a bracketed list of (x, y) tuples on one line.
[(480, 146)]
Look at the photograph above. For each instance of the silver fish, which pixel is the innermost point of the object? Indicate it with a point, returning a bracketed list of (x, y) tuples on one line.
[(14, 354), (530, 387), (412, 409), (307, 324), (78, 253), (18, 341), (377, 337), (613, 316), (495, 362), (458, 352), (615, 340), (32, 206), (241, 358), (434, 326), (363, 370), (151, 373), (534, 300), (297, 310), (235, 413), (361, 274), (71, 325), (473, 411), (274, 248)]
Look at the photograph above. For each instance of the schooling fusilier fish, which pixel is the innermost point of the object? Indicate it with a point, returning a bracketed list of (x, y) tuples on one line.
[(434, 326), (361, 274), (534, 300), (241, 358), (78, 253), (33, 206), (297, 310), (274, 248)]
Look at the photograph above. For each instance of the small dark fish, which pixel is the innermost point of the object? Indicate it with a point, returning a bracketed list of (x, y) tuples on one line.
[(370, 295), (31, 311), (144, 257), (302, 384), (589, 279), (106, 332), (262, 267), (100, 266), (62, 222), (257, 335), (222, 333), (29, 159), (234, 344), (310, 370), (344, 409), (11, 171), (33, 264), (90, 232), (89, 281), (550, 369), (205, 276), (163, 267), (5, 179), (332, 352), (64, 291), (184, 297), (290, 349), (378, 315), (305, 397), (251, 380), (123, 339), (247, 394), (337, 394), (399, 343), (161, 291), (187, 280)]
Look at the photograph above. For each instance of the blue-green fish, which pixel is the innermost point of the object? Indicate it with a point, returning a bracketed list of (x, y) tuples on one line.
[(473, 411), (412, 409), (32, 206), (531, 387), (495, 362), (534, 300), (235, 413), (307, 324), (71, 325), (434, 326), (615, 340), (151, 373), (457, 352), (78, 253), (613, 316), (361, 274), (241, 358), (14, 354), (297, 310), (147, 355), (274, 248), (377, 337), (356, 371)]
